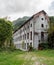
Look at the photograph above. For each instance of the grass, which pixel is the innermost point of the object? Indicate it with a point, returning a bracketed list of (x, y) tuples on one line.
[(17, 57)]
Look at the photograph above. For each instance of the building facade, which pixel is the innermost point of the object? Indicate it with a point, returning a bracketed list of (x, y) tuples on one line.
[(32, 32)]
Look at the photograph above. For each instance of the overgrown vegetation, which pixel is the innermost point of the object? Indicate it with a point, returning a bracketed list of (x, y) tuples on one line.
[(43, 57), (51, 33), (6, 30), (30, 48), (43, 46)]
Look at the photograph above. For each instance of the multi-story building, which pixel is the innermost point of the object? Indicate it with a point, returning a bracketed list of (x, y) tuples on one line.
[(32, 32)]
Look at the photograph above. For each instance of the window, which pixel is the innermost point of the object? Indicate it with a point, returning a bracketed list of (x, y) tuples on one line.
[(30, 35), (42, 25), (25, 28), (31, 25), (31, 44), (27, 45), (28, 26), (42, 18), (42, 36), (27, 35)]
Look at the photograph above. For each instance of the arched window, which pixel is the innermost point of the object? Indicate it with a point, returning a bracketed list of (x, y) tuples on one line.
[(31, 25), (42, 36), (42, 18), (42, 25), (27, 35), (31, 35)]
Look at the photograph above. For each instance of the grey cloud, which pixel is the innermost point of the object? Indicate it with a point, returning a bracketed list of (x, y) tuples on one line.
[(13, 6), (8, 7), (51, 9), (52, 6)]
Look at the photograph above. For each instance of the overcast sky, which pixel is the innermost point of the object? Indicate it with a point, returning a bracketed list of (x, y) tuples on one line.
[(20, 8)]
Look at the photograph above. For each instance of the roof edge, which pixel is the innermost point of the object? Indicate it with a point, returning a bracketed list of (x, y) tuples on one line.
[(30, 19)]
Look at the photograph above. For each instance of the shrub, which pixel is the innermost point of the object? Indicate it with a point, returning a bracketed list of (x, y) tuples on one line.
[(30, 48), (43, 46), (51, 40)]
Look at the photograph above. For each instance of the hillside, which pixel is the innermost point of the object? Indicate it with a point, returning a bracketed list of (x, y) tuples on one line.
[(19, 22)]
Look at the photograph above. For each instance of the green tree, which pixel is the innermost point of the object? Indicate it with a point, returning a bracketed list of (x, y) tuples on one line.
[(51, 33), (5, 32)]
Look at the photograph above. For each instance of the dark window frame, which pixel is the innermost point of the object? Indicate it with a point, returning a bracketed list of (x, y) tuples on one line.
[(31, 25), (42, 25), (27, 35), (42, 18), (31, 35), (42, 36)]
